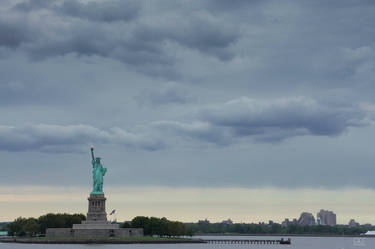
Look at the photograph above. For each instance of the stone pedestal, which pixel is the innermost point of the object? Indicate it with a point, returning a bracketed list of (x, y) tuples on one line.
[(96, 216), (96, 224), (96, 208)]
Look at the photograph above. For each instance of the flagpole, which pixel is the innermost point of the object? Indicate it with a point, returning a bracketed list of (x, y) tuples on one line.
[(113, 213)]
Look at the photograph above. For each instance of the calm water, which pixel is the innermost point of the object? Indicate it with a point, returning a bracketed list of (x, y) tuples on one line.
[(297, 243)]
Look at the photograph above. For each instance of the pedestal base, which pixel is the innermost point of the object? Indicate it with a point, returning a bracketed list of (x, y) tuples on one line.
[(96, 209), (96, 224), (93, 233)]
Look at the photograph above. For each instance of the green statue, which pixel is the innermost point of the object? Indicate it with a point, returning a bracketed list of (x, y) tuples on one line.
[(98, 171)]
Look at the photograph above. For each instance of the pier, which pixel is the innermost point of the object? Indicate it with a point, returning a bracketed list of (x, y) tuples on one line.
[(248, 241)]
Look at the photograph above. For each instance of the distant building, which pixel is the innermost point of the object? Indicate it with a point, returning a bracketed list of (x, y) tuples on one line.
[(353, 223), (227, 222), (205, 221), (327, 217), (306, 219), (318, 221), (287, 222)]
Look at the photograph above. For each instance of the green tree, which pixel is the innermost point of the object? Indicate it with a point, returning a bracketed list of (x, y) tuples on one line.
[(16, 227), (141, 222), (24, 226), (31, 227), (159, 226), (59, 220)]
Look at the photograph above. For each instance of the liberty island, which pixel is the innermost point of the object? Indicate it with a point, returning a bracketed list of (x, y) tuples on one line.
[(96, 229), (96, 224)]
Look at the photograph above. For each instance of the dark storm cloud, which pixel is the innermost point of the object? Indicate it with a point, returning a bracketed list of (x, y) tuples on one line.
[(69, 138), (268, 120), (224, 5), (248, 115), (106, 11), (14, 31), (108, 41), (224, 124), (204, 32), (34, 5), (88, 29)]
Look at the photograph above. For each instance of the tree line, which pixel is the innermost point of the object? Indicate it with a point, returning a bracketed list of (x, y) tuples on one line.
[(37, 226), (241, 228), (166, 228), (158, 226)]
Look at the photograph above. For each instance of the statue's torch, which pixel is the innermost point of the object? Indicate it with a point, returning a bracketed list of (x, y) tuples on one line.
[(92, 153)]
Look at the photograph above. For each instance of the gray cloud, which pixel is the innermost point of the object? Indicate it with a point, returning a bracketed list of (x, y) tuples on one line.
[(196, 131), (169, 93), (224, 124), (359, 63), (247, 115), (102, 11), (88, 29), (14, 31), (69, 138), (64, 63), (31, 5), (107, 11), (204, 32), (269, 120), (104, 40)]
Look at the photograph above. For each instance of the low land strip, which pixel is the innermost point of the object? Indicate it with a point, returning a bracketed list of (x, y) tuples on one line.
[(101, 240)]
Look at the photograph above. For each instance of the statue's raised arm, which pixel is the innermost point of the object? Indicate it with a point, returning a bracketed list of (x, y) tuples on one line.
[(92, 153)]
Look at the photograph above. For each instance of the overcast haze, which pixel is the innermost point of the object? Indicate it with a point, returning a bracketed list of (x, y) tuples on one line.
[(186, 96)]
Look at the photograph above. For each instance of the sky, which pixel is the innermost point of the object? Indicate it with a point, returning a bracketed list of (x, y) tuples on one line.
[(249, 110)]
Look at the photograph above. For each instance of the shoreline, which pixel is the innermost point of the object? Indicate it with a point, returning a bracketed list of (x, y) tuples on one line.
[(283, 235), (98, 241), (151, 240)]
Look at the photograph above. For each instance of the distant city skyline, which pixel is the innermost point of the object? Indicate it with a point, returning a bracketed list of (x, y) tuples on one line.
[(190, 204)]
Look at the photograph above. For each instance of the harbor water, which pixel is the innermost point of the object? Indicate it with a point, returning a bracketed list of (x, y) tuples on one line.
[(297, 243)]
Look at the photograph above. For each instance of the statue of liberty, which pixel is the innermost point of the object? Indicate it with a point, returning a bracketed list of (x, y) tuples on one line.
[(98, 171)]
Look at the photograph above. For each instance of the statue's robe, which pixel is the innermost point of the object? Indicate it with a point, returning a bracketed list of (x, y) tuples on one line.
[(98, 173)]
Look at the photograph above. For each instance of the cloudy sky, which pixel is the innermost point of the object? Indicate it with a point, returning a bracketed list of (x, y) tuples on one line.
[(250, 110)]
